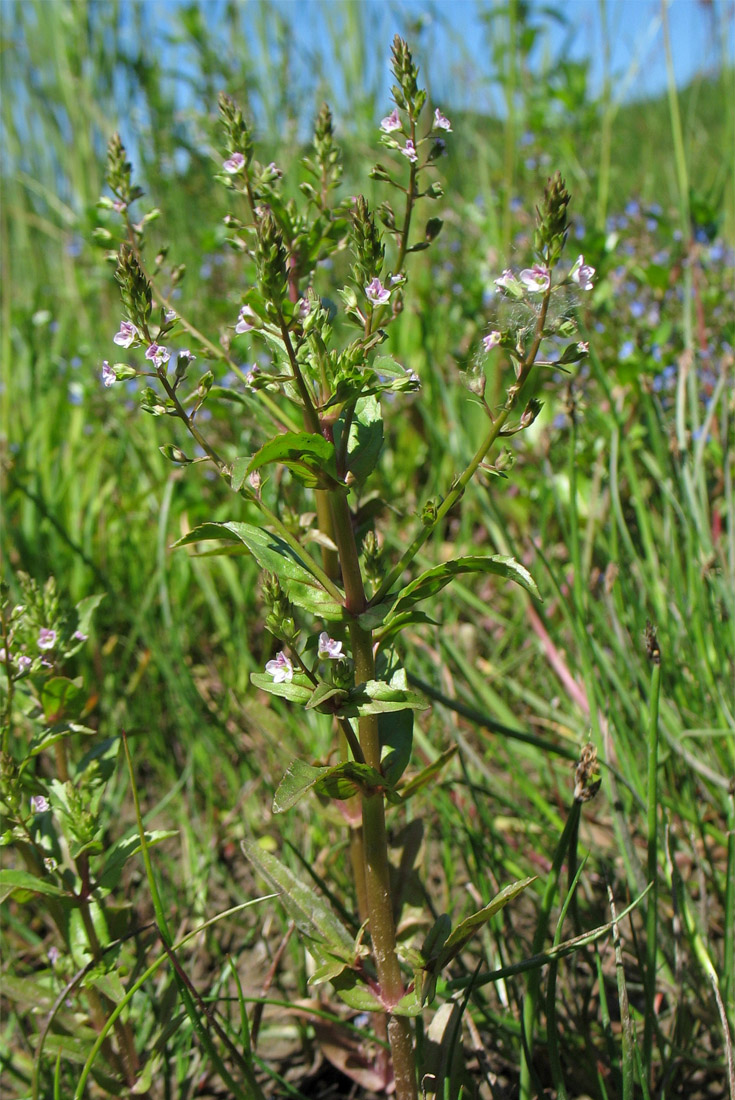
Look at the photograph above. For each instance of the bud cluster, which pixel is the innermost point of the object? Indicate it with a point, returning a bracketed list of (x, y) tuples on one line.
[(280, 620), (553, 224), (119, 172), (406, 91), (239, 141), (367, 245), (135, 290)]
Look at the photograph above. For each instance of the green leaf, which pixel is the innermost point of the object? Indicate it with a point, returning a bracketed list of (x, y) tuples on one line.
[(309, 911), (309, 456), (433, 580), (396, 733), (24, 884), (365, 440), (323, 693), (346, 779), (275, 556), (378, 697), (353, 990), (61, 697), (299, 778), (239, 473), (294, 692), (467, 928)]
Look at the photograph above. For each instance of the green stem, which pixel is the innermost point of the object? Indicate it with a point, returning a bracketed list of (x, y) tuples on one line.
[(652, 866), (375, 844)]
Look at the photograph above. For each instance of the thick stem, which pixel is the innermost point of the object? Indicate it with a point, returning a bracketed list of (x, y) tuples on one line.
[(375, 843)]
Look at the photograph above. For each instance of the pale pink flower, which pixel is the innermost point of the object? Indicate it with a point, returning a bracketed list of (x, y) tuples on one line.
[(536, 279), (234, 164), (391, 122), (410, 151), (582, 274), (376, 292), (127, 335), (441, 122), (280, 669), (109, 377), (243, 324), (507, 281), (328, 647), (157, 354), (491, 340), (46, 638)]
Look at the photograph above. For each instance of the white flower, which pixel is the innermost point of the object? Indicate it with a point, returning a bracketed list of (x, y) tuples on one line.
[(234, 164), (391, 122), (46, 638), (536, 279), (328, 647), (441, 122), (280, 669), (376, 292), (582, 274)]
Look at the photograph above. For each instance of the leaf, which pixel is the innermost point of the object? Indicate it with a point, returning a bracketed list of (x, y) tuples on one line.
[(365, 440), (323, 693), (294, 692), (24, 884), (433, 580), (466, 929), (61, 697), (346, 779), (275, 556), (354, 992), (309, 911), (309, 456), (238, 473), (378, 696), (396, 733), (299, 778)]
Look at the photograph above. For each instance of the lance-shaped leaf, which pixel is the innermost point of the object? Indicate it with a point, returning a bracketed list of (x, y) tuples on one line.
[(309, 456), (311, 914), (341, 781), (294, 692), (433, 580), (379, 696), (365, 440), (466, 929), (298, 780), (24, 884), (275, 556)]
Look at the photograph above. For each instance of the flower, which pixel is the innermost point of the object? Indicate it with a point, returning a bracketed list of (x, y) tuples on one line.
[(536, 279), (234, 164), (243, 325), (410, 151), (127, 335), (109, 377), (39, 804), (80, 637), (281, 669), (46, 638), (391, 122), (376, 292), (491, 340), (583, 347), (582, 274), (441, 122), (24, 662), (170, 315), (157, 354), (328, 647), (507, 280)]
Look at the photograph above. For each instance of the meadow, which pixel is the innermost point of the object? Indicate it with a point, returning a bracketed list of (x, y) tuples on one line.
[(240, 767)]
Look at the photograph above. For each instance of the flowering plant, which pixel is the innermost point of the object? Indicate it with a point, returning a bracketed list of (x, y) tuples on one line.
[(322, 384)]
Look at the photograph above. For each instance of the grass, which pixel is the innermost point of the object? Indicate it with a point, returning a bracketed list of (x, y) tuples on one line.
[(623, 513)]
